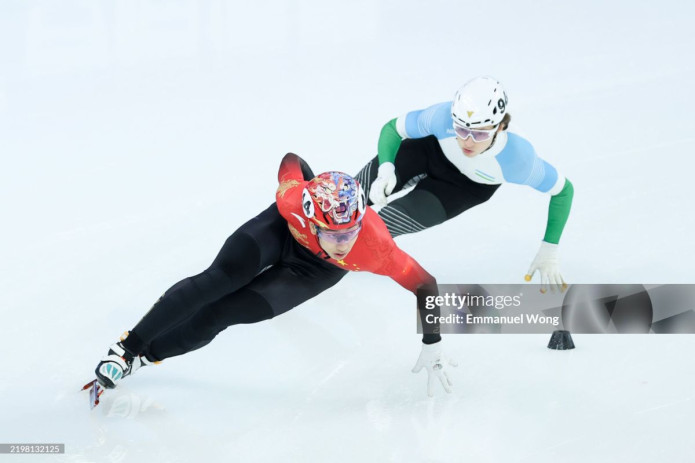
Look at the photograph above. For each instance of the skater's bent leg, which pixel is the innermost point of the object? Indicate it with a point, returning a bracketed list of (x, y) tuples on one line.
[(242, 307), (412, 213), (432, 202), (254, 246), (272, 293)]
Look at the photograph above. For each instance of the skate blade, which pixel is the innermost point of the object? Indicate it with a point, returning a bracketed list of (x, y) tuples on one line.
[(95, 391)]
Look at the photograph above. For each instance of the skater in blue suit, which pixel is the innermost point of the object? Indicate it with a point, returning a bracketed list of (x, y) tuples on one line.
[(455, 155)]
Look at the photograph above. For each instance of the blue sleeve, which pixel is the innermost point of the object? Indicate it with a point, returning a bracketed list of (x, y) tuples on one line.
[(520, 164), (435, 120)]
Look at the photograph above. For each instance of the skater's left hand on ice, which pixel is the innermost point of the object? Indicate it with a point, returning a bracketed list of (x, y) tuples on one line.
[(383, 185), (436, 364), (547, 263)]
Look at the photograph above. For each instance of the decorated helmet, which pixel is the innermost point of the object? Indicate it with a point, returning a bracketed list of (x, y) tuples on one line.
[(480, 102), (334, 201)]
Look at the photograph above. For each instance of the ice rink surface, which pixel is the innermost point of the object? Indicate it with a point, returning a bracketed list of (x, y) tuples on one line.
[(137, 135)]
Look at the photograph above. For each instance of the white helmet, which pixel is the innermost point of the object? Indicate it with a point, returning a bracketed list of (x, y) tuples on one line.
[(481, 101)]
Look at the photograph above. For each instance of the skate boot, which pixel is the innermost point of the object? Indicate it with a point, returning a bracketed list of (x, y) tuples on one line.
[(118, 364)]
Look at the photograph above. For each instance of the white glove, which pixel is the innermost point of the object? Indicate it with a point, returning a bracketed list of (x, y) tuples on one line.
[(435, 362), (547, 262), (383, 185)]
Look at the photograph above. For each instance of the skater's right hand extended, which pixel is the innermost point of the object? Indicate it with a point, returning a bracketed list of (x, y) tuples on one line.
[(436, 364), (547, 263), (383, 185)]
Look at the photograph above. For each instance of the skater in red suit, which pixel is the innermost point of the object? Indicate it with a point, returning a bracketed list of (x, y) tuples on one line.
[(318, 229)]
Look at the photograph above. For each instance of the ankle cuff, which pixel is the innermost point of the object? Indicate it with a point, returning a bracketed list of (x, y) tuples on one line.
[(133, 344)]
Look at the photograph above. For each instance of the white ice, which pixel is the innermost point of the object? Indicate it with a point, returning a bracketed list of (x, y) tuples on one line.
[(135, 136)]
